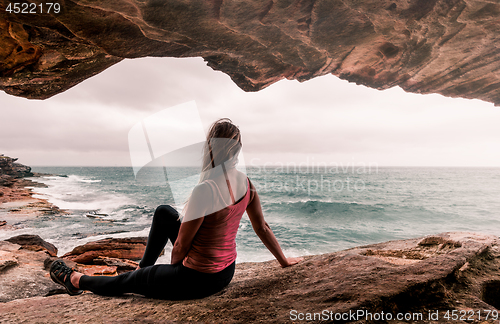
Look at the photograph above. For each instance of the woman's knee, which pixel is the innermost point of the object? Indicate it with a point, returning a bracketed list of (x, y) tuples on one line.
[(167, 212)]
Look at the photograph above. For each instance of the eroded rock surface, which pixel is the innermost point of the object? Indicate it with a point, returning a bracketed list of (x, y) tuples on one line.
[(25, 276), (33, 243), (10, 170), (16, 195), (424, 46), (458, 271), (121, 248)]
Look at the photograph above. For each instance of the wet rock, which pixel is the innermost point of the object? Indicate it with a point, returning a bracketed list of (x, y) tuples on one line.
[(33, 243), (454, 278), (120, 248)]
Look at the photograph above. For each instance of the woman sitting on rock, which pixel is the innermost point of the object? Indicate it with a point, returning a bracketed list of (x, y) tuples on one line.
[(204, 248)]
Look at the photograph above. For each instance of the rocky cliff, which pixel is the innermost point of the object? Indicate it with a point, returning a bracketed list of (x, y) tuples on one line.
[(426, 279), (10, 171), (423, 46), (16, 192)]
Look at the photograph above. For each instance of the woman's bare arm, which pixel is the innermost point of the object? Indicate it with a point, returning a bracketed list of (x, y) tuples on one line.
[(196, 209), (264, 232), (182, 244)]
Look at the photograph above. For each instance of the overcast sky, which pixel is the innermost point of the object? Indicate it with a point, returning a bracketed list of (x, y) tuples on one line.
[(324, 120)]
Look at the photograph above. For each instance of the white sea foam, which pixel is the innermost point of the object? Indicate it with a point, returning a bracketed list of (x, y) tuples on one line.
[(77, 193), (89, 181)]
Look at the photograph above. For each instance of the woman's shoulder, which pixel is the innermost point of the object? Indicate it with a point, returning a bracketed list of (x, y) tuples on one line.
[(203, 188), (242, 176)]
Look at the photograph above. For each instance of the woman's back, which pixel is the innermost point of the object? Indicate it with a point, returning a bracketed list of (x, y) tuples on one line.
[(214, 247)]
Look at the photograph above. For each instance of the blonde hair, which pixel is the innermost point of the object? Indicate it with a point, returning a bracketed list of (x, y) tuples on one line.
[(223, 144), (218, 149)]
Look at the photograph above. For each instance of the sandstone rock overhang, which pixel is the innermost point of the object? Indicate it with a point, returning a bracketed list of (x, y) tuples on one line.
[(424, 46)]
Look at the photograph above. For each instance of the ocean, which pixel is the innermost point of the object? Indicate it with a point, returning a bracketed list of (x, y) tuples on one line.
[(311, 210)]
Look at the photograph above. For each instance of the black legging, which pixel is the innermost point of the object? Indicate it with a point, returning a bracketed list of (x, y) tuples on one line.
[(164, 281)]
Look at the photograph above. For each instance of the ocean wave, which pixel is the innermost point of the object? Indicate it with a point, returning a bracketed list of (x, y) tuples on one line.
[(65, 182), (312, 206), (89, 180), (78, 193), (77, 178)]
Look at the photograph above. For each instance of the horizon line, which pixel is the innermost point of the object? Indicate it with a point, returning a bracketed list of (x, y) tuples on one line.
[(278, 167)]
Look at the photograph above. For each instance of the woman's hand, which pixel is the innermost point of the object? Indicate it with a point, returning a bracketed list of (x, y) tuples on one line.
[(291, 261)]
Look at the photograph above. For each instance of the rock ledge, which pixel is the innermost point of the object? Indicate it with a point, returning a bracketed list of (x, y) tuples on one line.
[(449, 271)]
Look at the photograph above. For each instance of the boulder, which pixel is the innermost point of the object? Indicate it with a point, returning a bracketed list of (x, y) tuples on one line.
[(34, 243), (122, 265), (120, 248), (370, 279), (12, 170), (25, 276), (97, 270)]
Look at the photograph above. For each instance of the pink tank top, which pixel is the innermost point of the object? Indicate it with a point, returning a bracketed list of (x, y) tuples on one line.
[(214, 245)]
